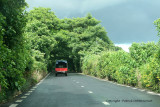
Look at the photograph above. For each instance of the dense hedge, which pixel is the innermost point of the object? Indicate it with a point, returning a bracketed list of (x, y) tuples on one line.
[(13, 52), (116, 66), (150, 74), (140, 67), (16, 57)]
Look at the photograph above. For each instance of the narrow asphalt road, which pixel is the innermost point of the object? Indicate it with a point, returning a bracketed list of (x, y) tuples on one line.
[(76, 90)]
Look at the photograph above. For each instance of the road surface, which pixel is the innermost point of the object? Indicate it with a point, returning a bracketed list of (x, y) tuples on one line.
[(77, 90)]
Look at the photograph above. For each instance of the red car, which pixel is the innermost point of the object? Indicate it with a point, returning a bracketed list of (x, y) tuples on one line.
[(61, 67)]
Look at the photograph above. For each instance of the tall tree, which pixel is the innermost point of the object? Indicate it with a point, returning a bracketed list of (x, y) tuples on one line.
[(13, 54), (84, 35), (41, 26)]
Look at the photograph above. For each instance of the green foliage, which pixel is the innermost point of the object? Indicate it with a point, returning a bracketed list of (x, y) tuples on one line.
[(157, 24), (38, 61), (42, 21), (89, 64), (13, 52), (150, 74), (40, 28), (124, 68), (85, 35), (140, 67), (12, 10), (142, 52)]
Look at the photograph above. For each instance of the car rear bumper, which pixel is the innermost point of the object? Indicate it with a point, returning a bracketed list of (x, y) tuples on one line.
[(61, 72)]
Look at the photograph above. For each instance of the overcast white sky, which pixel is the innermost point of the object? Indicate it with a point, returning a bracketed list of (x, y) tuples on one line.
[(126, 21)]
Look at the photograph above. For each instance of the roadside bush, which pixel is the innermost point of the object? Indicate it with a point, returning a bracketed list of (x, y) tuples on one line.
[(90, 65), (140, 67), (116, 66), (150, 74), (141, 52), (3, 53)]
